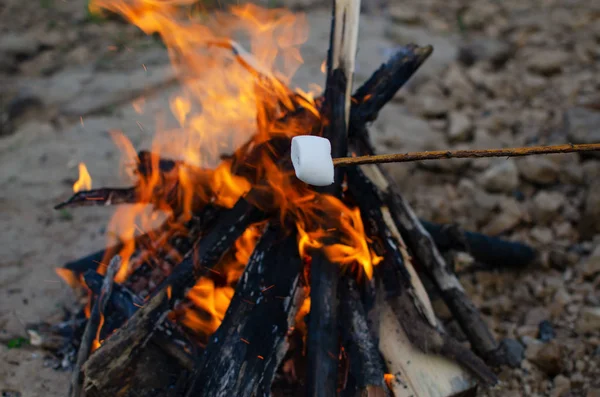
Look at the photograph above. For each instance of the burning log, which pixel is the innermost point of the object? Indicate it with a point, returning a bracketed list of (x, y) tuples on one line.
[(366, 366), (246, 350), (116, 354), (323, 340), (93, 327)]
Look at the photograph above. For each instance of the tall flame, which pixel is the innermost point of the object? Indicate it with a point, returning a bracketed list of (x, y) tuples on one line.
[(85, 180), (229, 97)]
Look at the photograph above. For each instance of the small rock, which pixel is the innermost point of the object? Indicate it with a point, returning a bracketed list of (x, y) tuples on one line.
[(571, 173), (433, 106), (495, 51), (546, 205), (510, 216), (546, 331), (582, 125), (513, 352), (562, 385), (12, 44), (536, 315), (543, 235), (547, 62), (462, 89), (538, 169), (561, 260), (403, 14), (549, 358), (502, 177), (590, 222), (591, 267), (589, 320), (460, 127)]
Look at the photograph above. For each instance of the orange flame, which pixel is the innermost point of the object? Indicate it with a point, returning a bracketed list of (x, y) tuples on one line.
[(85, 180), (228, 98)]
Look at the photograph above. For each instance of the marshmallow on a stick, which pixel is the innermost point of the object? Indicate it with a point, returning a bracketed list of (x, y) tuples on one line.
[(311, 157)]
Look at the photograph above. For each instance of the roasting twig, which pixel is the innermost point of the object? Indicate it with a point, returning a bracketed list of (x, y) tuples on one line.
[(100, 197), (93, 326), (462, 154)]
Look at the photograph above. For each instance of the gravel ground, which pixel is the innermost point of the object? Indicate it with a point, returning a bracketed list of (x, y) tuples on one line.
[(503, 74)]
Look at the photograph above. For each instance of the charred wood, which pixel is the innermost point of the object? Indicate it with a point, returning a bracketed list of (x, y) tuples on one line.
[(491, 251), (428, 256), (366, 367), (121, 348), (93, 327), (403, 291), (323, 340), (384, 83), (100, 197), (244, 353)]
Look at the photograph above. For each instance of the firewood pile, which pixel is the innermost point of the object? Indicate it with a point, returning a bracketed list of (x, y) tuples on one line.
[(258, 284)]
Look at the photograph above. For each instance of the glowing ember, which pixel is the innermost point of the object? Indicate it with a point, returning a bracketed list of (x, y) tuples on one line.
[(85, 180)]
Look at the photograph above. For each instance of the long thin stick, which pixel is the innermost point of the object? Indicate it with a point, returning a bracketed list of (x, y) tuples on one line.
[(93, 326), (463, 154)]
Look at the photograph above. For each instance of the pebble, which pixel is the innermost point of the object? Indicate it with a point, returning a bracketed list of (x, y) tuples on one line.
[(548, 357), (546, 331), (590, 223), (536, 315), (433, 106), (541, 234), (538, 169), (403, 14), (12, 44), (547, 62), (460, 127), (562, 385), (502, 177), (589, 320), (545, 206), (582, 125), (591, 267), (495, 51)]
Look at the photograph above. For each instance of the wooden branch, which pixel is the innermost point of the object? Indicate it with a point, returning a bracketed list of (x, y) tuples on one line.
[(462, 154), (100, 197), (491, 251), (403, 289), (92, 329), (365, 361), (385, 82), (244, 353), (427, 254)]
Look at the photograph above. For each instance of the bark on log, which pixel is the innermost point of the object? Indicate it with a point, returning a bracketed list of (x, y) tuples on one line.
[(366, 366), (93, 327), (244, 353)]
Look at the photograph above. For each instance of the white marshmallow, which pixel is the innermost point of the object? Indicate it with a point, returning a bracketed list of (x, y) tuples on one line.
[(311, 157)]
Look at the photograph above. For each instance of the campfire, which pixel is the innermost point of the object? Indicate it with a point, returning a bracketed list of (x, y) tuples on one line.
[(229, 276)]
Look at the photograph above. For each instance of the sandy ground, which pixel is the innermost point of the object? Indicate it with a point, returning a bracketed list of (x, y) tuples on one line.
[(86, 92)]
